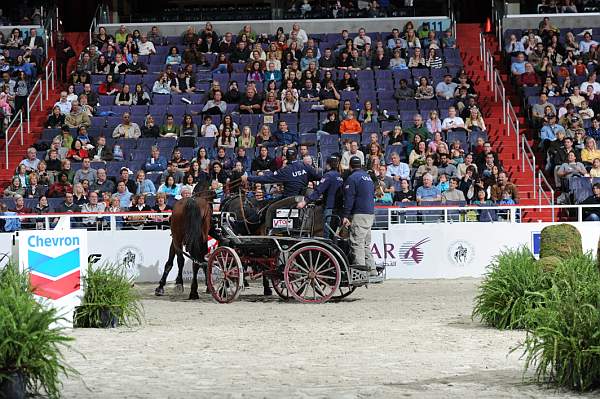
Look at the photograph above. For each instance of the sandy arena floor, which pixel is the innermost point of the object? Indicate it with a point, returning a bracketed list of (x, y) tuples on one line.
[(399, 339)]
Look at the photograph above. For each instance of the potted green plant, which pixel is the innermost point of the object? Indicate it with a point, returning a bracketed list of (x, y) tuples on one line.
[(31, 360), (109, 299)]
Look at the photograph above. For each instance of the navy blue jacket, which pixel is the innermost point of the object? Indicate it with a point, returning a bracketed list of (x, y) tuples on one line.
[(294, 176), (359, 194), (330, 184)]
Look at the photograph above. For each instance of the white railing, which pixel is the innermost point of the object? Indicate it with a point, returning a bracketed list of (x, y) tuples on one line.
[(49, 74), (35, 95), (17, 129), (543, 188), (512, 123), (529, 156), (500, 91)]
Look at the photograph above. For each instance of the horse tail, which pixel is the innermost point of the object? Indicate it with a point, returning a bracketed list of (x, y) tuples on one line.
[(197, 226)]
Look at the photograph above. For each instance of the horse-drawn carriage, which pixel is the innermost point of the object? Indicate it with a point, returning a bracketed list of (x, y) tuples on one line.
[(298, 264)]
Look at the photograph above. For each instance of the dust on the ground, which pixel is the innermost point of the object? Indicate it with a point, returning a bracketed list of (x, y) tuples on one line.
[(404, 338)]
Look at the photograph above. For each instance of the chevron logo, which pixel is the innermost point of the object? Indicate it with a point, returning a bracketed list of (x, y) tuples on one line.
[(54, 277)]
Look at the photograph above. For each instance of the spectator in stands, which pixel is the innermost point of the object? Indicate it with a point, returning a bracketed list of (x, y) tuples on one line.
[(592, 214), (15, 188), (173, 58), (445, 167), (433, 61), (127, 129), (594, 130), (518, 66), (146, 47), (226, 139), (140, 97), (143, 186), (417, 60), (453, 194), (591, 81), (418, 128), (188, 127), (405, 194), (251, 103), (109, 87), (172, 171), (65, 166), (240, 54), (428, 192), (529, 78), (347, 82), (590, 152), (60, 187), (124, 97), (404, 92), (453, 121), (475, 122), (77, 152), (182, 83), (92, 97), (398, 170), (156, 162), (102, 184), (23, 174), (595, 170), (571, 168), (123, 195), (428, 167), (350, 125), (538, 110), (31, 162), (351, 152), (502, 186), (150, 129), (155, 36), (76, 118), (162, 84), (513, 46), (368, 114), (63, 103), (586, 43), (79, 194), (424, 89), (290, 103), (93, 206), (86, 172), (170, 187), (418, 155), (34, 189), (434, 124)]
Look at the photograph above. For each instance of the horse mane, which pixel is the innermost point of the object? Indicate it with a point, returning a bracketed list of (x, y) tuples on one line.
[(198, 214)]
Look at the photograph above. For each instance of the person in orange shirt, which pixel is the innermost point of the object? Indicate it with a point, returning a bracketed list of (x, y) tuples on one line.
[(350, 124)]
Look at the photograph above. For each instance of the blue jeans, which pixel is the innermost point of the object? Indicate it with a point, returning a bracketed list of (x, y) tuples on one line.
[(327, 223)]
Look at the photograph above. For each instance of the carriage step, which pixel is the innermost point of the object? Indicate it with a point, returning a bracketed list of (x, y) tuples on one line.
[(358, 277)]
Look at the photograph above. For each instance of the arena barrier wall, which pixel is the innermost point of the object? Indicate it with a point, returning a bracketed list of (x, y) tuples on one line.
[(412, 251), (439, 23)]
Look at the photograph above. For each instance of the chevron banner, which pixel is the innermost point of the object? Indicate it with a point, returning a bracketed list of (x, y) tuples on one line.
[(56, 261)]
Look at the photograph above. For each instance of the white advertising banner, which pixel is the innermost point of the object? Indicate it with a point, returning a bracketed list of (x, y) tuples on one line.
[(56, 261)]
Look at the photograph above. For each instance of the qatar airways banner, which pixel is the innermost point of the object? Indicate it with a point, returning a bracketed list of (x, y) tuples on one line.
[(459, 249)]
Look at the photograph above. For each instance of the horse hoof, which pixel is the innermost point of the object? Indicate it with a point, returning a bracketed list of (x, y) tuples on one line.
[(194, 296), (159, 291), (179, 288)]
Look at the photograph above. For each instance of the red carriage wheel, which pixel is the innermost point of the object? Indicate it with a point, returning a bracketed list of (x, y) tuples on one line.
[(343, 292), (312, 274), (280, 288), (225, 275)]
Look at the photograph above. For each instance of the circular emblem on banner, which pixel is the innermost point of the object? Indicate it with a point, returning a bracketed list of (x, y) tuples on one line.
[(130, 258), (461, 253)]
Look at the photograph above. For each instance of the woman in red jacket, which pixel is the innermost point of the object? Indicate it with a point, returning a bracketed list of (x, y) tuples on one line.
[(109, 87), (77, 152)]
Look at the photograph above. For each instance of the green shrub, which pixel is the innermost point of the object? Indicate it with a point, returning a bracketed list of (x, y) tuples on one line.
[(562, 240), (549, 263), (30, 341), (107, 289), (563, 343), (510, 289)]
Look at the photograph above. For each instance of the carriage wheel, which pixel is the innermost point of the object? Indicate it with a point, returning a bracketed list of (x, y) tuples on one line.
[(280, 288), (225, 275), (343, 292), (312, 274)]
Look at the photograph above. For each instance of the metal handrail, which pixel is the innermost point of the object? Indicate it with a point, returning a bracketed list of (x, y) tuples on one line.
[(31, 103), (18, 128), (94, 23), (512, 122), (527, 153), (49, 74), (500, 91), (542, 181)]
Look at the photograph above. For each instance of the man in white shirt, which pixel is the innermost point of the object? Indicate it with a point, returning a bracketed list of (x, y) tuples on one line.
[(452, 121), (353, 152), (586, 43), (362, 39), (64, 104), (127, 129), (591, 81), (145, 46), (398, 170), (445, 89), (300, 33)]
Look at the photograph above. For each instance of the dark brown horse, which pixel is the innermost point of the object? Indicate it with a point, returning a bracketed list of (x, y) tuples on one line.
[(191, 221)]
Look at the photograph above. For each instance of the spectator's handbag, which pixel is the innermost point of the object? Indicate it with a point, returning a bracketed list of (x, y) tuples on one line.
[(331, 103), (268, 119)]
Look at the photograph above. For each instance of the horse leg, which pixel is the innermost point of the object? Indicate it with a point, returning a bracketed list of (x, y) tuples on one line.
[(204, 269), (266, 287), (194, 287), (160, 290), (179, 279)]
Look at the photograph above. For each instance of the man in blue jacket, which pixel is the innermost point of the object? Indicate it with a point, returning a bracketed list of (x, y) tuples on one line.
[(294, 176), (359, 210), (329, 187)]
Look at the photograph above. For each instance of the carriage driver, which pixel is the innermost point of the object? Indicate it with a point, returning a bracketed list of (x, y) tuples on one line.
[(329, 187), (359, 209), (294, 176)]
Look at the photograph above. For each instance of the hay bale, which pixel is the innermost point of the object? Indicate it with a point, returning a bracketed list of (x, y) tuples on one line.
[(561, 240), (549, 263)]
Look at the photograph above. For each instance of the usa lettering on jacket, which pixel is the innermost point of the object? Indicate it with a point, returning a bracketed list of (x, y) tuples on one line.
[(299, 173)]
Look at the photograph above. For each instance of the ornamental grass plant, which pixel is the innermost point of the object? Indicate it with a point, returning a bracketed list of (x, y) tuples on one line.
[(563, 339), (31, 342), (510, 289), (109, 299)]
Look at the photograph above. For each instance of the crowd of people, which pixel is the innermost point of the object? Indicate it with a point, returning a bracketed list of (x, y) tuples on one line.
[(557, 72), (414, 154)]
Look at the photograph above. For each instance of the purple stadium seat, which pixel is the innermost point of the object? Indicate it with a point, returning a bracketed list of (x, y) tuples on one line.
[(161, 99)]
